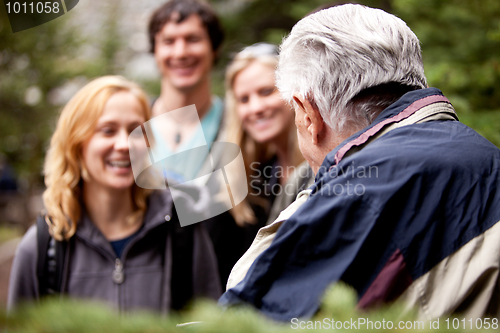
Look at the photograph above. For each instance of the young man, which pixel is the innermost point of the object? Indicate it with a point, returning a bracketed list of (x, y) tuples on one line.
[(185, 37)]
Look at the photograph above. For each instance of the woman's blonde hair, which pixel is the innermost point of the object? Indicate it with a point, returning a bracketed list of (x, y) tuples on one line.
[(252, 150), (64, 169)]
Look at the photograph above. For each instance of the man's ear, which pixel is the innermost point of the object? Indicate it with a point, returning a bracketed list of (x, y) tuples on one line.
[(312, 118)]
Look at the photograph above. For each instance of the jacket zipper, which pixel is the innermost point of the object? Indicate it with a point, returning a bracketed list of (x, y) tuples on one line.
[(118, 272), (118, 278), (118, 275)]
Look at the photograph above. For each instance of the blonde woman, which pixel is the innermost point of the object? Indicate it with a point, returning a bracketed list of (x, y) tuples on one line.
[(262, 125), (123, 244)]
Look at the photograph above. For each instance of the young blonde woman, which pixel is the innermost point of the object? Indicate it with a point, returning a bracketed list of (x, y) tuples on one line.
[(123, 244), (262, 125)]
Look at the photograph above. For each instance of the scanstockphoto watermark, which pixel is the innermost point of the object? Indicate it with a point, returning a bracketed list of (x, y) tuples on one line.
[(341, 180), (356, 324), (368, 324)]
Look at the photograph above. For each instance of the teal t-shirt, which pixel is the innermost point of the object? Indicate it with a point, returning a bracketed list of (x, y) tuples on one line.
[(185, 162)]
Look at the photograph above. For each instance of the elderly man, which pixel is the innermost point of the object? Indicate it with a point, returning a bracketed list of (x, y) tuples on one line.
[(406, 200)]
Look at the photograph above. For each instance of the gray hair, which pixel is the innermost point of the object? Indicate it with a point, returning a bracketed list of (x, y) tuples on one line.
[(334, 54)]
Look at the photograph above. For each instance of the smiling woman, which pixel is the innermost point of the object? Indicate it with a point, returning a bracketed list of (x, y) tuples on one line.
[(123, 244), (262, 124), (263, 114), (91, 134), (105, 154)]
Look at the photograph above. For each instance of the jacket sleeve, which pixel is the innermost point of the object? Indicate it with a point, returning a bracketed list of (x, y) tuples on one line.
[(23, 284), (311, 250)]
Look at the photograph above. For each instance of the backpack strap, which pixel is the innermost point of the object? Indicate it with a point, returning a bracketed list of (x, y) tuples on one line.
[(50, 261)]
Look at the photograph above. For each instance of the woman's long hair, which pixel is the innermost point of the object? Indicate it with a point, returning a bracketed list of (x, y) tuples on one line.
[(251, 150), (64, 169)]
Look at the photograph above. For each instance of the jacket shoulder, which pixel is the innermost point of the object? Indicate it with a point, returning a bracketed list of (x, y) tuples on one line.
[(23, 281), (28, 246)]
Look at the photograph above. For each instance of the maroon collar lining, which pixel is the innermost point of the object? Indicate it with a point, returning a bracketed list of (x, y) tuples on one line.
[(411, 109)]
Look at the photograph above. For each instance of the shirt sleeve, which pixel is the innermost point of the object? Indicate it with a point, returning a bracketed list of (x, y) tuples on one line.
[(23, 284)]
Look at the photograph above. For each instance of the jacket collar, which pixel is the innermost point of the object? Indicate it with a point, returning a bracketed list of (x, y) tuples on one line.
[(405, 107), (159, 205)]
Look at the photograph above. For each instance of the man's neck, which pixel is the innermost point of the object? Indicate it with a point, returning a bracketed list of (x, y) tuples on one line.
[(172, 98), (328, 141)]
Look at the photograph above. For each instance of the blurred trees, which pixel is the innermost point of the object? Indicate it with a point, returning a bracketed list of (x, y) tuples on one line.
[(461, 47), (40, 69), (461, 51), (32, 63), (271, 20)]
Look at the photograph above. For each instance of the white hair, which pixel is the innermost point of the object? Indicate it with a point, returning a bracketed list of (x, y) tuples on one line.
[(332, 55)]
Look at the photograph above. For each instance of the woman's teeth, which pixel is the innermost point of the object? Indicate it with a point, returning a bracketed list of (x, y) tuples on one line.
[(120, 164)]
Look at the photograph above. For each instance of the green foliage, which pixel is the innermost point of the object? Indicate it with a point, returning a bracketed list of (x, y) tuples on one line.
[(204, 316), (461, 51), (9, 232), (32, 62), (485, 123), (461, 47)]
